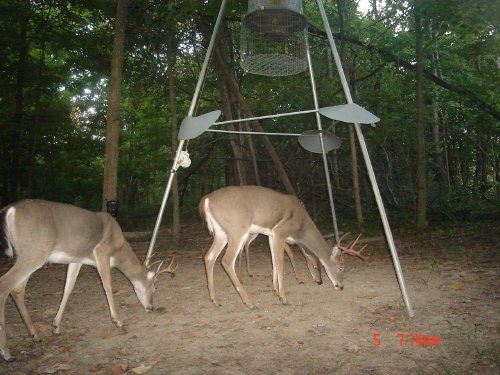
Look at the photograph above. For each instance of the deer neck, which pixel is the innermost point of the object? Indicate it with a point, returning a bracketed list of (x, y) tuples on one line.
[(311, 239), (129, 264)]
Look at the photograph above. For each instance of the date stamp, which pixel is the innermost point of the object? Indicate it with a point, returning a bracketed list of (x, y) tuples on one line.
[(411, 339)]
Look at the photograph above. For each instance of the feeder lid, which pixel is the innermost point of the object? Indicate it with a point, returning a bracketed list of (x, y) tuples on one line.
[(275, 22), (192, 127), (351, 113), (311, 142)]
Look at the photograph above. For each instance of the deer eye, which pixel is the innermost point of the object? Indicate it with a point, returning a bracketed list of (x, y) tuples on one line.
[(341, 269)]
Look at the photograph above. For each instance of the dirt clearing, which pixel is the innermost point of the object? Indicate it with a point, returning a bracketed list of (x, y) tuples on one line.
[(453, 281)]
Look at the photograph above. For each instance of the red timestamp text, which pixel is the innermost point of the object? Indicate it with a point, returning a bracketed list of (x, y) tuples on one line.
[(411, 339)]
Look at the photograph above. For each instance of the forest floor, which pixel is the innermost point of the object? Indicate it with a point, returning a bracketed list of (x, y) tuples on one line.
[(453, 280)]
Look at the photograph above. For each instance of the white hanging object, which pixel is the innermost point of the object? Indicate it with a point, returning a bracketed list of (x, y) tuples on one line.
[(350, 113), (192, 127), (184, 160), (311, 142)]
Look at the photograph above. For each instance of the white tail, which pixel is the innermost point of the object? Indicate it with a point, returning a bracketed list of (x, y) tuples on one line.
[(40, 232), (236, 212)]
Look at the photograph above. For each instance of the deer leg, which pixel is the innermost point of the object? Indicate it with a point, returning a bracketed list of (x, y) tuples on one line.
[(17, 275), (313, 266), (71, 275), (277, 244), (294, 266), (246, 250), (228, 260), (220, 241), (273, 261), (18, 295), (104, 269), (251, 238)]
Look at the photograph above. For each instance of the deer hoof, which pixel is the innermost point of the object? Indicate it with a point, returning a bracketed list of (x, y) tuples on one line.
[(36, 338), (118, 323), (7, 357)]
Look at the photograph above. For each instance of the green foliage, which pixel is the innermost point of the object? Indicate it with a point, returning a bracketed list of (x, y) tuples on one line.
[(53, 139)]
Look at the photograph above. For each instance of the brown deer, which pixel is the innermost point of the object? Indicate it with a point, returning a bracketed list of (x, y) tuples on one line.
[(40, 232), (234, 213)]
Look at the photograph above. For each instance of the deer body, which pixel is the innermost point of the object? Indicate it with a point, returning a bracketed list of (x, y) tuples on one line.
[(236, 212), (40, 232)]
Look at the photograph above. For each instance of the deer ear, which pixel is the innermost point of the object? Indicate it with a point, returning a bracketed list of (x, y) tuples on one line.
[(336, 251), (151, 275)]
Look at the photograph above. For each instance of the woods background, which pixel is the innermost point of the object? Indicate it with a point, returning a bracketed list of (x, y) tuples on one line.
[(429, 70)]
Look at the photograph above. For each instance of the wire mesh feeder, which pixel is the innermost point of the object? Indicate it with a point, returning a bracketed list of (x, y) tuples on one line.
[(273, 38)]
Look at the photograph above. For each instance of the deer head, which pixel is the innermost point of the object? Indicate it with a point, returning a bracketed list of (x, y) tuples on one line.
[(146, 289)]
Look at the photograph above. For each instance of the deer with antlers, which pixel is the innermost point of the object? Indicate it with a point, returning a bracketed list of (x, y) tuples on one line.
[(39, 232), (234, 213)]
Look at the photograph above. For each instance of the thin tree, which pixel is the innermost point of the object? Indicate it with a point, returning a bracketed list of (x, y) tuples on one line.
[(172, 57), (421, 168), (110, 178)]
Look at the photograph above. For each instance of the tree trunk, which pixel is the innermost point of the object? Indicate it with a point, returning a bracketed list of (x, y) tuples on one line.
[(171, 57), (233, 139), (253, 155), (110, 178), (421, 168), (349, 72), (18, 124), (436, 112)]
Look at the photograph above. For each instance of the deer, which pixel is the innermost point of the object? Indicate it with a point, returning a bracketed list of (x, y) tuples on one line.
[(312, 262), (234, 213), (38, 232)]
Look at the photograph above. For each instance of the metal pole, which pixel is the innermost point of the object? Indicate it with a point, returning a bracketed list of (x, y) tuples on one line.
[(251, 133), (194, 101), (369, 167), (322, 143), (265, 117)]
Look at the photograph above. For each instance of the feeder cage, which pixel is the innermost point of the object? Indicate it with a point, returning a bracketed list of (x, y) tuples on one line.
[(273, 38)]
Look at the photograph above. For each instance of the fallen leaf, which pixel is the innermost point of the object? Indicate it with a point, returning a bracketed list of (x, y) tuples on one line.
[(66, 349), (111, 333), (121, 291), (382, 309), (56, 368), (188, 335), (50, 312), (458, 286), (353, 348), (118, 369), (142, 369), (97, 368)]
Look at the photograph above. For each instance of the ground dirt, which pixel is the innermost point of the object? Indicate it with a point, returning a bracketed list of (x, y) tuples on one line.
[(453, 281)]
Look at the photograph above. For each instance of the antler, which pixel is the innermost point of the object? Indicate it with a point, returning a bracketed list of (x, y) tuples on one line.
[(350, 249), (168, 269)]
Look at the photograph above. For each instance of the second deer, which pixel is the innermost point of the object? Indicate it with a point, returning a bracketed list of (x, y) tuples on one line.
[(234, 213)]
